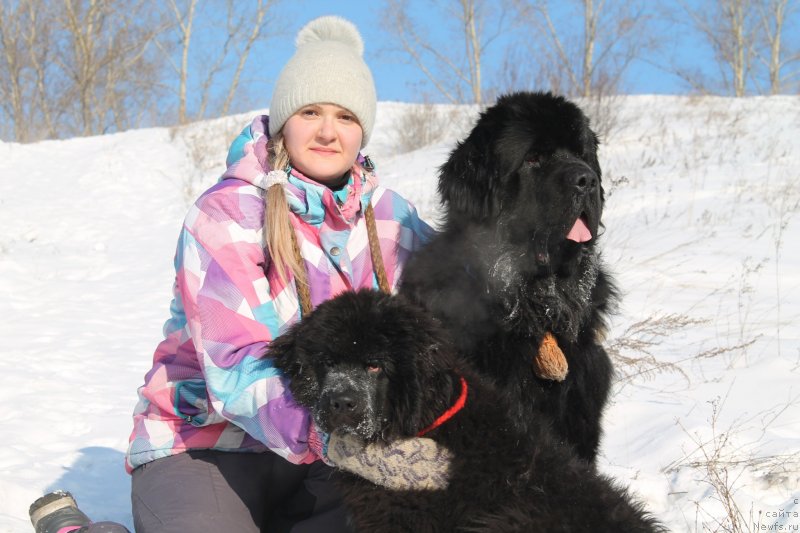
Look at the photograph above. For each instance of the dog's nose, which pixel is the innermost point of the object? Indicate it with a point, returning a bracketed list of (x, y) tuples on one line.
[(344, 409), (584, 180), (343, 403)]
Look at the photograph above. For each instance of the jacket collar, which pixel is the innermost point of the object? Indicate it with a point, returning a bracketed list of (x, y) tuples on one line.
[(247, 160)]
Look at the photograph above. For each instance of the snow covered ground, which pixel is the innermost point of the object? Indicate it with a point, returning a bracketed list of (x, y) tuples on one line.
[(702, 224)]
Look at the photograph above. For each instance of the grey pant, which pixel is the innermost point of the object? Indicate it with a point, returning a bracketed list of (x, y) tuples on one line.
[(211, 491)]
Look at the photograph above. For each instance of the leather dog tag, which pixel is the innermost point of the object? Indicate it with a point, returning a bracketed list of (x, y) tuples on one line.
[(550, 362)]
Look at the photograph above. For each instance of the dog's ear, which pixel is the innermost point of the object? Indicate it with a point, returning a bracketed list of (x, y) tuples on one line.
[(414, 335), (287, 358), (468, 177), (282, 352), (422, 394), (416, 397)]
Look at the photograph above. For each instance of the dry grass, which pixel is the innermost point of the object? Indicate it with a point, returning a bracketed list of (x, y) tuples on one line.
[(422, 125), (723, 458), (207, 143), (632, 351), (603, 113)]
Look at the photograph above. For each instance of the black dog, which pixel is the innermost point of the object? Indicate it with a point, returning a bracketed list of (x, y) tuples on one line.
[(380, 367), (516, 259)]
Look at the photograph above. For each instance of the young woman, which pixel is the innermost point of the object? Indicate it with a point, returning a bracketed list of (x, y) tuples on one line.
[(298, 217)]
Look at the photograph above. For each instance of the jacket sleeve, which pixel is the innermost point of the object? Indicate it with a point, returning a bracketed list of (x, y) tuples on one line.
[(413, 232), (231, 319), (420, 229)]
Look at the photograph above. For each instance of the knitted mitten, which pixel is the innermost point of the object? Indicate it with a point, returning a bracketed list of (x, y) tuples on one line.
[(409, 464)]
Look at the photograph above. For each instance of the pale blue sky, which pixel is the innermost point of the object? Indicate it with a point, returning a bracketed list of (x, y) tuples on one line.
[(650, 74), (396, 81)]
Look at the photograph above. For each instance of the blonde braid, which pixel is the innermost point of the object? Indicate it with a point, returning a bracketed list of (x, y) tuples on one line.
[(278, 230), (301, 281), (282, 241)]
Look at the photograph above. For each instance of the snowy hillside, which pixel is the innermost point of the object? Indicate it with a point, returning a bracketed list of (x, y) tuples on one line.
[(701, 228)]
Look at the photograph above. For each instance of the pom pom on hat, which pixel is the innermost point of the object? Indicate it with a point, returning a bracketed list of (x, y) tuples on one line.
[(326, 68), (331, 28)]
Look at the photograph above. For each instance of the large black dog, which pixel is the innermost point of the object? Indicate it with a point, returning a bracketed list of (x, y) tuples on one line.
[(381, 368), (516, 259)]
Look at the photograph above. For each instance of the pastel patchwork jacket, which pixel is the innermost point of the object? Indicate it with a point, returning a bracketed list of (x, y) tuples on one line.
[(211, 385)]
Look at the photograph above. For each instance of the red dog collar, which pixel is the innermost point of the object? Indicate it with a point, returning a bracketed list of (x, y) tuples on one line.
[(447, 415)]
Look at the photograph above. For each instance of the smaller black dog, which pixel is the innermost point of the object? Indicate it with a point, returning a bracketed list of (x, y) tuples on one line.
[(379, 367)]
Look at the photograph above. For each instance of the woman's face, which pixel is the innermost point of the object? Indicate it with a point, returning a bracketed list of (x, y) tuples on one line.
[(323, 141)]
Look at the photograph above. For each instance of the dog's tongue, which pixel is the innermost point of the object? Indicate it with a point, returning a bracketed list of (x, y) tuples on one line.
[(579, 232)]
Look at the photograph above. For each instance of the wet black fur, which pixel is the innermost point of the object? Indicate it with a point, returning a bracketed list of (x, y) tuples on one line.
[(501, 273), (501, 481)]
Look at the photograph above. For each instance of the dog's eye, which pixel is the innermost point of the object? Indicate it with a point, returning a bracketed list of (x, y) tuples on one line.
[(533, 161)]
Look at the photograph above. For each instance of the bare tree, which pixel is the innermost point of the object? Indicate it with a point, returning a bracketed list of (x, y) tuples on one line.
[(27, 88), (84, 22), (77, 67), (773, 16), (590, 41), (107, 59), (84, 67), (456, 74), (259, 23), (243, 28), (728, 26), (11, 74), (737, 53), (184, 21), (90, 66), (472, 46), (736, 41), (588, 63), (44, 97)]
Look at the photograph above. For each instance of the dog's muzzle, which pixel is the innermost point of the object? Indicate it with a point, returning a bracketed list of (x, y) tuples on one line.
[(343, 408)]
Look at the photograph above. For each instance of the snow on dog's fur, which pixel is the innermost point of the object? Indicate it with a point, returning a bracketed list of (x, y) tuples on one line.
[(381, 368)]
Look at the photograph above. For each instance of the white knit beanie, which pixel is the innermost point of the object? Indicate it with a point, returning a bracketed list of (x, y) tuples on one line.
[(326, 68)]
